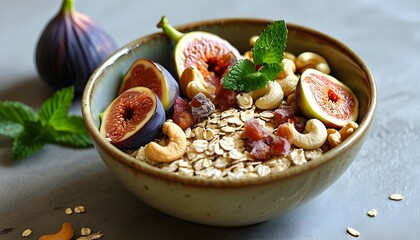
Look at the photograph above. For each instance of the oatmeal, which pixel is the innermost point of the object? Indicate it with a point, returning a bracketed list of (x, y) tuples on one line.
[(217, 148)]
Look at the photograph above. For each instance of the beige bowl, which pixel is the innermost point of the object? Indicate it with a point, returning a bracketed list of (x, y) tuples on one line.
[(230, 202)]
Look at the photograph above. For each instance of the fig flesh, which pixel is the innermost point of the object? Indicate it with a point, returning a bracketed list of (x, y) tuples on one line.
[(133, 119), (209, 53), (70, 48), (147, 73), (322, 96)]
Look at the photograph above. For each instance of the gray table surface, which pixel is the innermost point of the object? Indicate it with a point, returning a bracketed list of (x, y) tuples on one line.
[(386, 34)]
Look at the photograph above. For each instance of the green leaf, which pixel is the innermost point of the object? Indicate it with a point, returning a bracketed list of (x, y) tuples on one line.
[(71, 132), (267, 56), (270, 71), (16, 112), (243, 77), (24, 147), (28, 141), (72, 139), (10, 129), (52, 125), (270, 45), (55, 109)]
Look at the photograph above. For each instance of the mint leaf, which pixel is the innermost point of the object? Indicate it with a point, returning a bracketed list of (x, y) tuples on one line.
[(13, 116), (243, 77), (10, 129), (267, 57), (16, 112), (29, 141), (23, 147), (72, 133), (271, 43), (55, 109), (72, 139), (270, 71), (31, 131)]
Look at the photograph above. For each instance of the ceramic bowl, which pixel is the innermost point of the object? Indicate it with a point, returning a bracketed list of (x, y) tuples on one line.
[(234, 202)]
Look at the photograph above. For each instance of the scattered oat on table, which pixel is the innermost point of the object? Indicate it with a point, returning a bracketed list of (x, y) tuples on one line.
[(92, 236), (372, 213), (27, 232), (353, 232), (68, 211), (396, 197), (84, 231), (79, 209)]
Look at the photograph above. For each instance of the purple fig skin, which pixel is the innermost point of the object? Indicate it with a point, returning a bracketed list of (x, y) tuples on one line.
[(70, 48), (146, 133), (169, 95), (173, 90)]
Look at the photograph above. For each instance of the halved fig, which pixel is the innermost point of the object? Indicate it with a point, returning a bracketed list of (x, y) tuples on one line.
[(209, 53), (133, 119), (147, 73), (322, 96)]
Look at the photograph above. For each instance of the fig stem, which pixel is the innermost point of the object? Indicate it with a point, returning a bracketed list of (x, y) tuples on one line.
[(67, 6), (169, 30)]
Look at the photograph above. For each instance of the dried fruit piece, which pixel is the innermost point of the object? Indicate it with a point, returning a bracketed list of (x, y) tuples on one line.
[(201, 107), (225, 98), (280, 146), (260, 150), (70, 48), (208, 52), (253, 130), (147, 73), (182, 114), (283, 113), (133, 119), (321, 96)]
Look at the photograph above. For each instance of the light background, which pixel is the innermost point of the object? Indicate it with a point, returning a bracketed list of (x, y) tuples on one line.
[(386, 34)]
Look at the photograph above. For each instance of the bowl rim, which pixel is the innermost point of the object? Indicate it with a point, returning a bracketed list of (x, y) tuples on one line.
[(141, 167)]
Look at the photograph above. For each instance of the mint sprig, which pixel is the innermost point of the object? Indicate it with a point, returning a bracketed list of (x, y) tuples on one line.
[(31, 131), (267, 53)]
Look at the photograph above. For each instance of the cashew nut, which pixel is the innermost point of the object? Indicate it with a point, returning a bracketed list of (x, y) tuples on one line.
[(244, 100), (175, 148), (289, 55), (315, 136), (66, 233), (287, 78), (253, 40), (312, 60), (248, 55), (334, 137), (269, 97), (192, 82), (348, 129)]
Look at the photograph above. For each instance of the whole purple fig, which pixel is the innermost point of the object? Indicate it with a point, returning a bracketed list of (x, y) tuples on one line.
[(70, 48)]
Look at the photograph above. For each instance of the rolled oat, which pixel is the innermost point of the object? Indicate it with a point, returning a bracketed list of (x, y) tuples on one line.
[(353, 232), (26, 233), (216, 148)]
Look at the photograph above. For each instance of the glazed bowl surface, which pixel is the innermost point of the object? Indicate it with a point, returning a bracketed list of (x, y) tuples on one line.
[(230, 202)]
